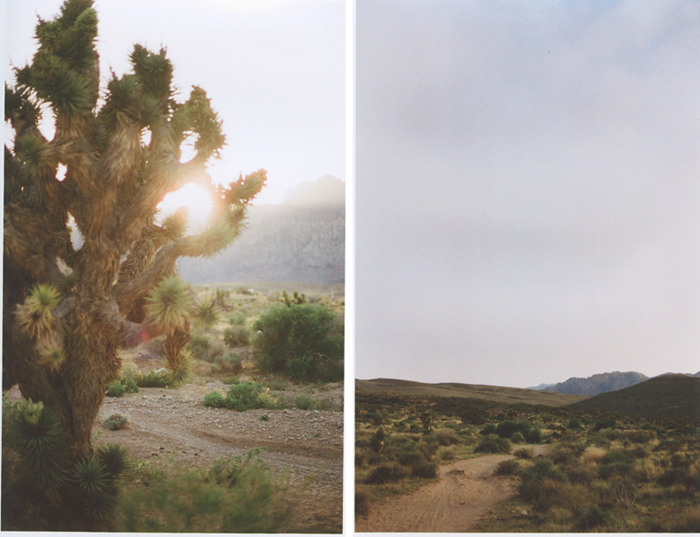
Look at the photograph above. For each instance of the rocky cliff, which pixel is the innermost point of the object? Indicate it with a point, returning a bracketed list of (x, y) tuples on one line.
[(301, 239)]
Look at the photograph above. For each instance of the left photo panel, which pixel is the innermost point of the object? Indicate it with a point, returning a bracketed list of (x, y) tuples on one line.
[(174, 266)]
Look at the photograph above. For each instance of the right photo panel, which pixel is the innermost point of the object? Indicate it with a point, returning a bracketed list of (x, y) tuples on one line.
[(527, 249)]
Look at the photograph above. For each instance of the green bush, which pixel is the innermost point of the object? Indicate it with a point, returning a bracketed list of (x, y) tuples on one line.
[(301, 341), (116, 389), (236, 336), (248, 395), (153, 379), (616, 463), (604, 424), (594, 517), (517, 438), (508, 428), (425, 469), (488, 429), (493, 444), (538, 483), (231, 362), (386, 473), (233, 496), (199, 345), (509, 467), (524, 453), (447, 437), (534, 436), (215, 400)]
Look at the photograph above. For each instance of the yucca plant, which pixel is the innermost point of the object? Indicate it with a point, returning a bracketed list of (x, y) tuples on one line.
[(68, 310)]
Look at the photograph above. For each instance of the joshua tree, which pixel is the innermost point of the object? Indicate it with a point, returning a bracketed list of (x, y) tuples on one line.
[(70, 305)]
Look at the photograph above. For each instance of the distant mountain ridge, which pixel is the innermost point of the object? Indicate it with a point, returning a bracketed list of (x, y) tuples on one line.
[(597, 384), (301, 239), (670, 395)]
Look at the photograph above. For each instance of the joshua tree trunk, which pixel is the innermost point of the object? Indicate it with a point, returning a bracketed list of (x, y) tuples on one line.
[(68, 310)]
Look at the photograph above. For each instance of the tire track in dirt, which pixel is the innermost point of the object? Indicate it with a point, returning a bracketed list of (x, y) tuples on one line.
[(465, 492)]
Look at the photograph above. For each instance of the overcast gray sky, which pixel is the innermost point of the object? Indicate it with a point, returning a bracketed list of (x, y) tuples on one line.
[(273, 69), (527, 189)]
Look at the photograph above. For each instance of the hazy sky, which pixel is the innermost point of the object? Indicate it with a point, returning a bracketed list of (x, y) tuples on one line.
[(527, 189), (273, 69)]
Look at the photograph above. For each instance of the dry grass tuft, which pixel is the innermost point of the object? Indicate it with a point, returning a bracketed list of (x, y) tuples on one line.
[(593, 455)]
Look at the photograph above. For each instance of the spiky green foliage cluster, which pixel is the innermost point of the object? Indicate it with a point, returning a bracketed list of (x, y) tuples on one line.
[(46, 490), (295, 299), (35, 315), (170, 304), (206, 313)]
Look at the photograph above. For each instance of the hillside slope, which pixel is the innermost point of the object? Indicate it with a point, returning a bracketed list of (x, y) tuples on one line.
[(671, 395), (300, 240), (597, 384), (475, 391)]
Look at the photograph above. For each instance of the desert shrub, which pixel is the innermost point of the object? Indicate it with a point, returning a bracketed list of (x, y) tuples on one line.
[(531, 481), (410, 455), (493, 444), (231, 362), (639, 452), (447, 437), (672, 445), (215, 400), (447, 455), (508, 428), (616, 463), (534, 436), (488, 429), (574, 423), (517, 438), (115, 422), (679, 476), (199, 345), (247, 395), (524, 453), (303, 401), (302, 341), (361, 502), (236, 336), (233, 496), (116, 389), (580, 474), (594, 517), (429, 446), (386, 473), (564, 455), (639, 437), (236, 319), (593, 454), (604, 424), (509, 467), (153, 379), (425, 469)]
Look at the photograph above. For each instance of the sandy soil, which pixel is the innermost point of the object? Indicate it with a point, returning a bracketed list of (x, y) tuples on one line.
[(172, 426), (465, 492)]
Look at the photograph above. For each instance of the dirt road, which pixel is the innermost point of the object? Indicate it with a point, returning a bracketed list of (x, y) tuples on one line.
[(465, 492)]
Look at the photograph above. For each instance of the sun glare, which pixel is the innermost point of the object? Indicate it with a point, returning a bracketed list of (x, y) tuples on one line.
[(194, 198)]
